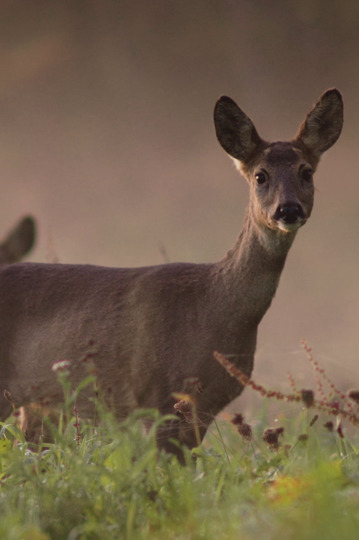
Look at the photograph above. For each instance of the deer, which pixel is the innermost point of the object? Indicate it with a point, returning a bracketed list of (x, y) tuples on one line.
[(18, 242), (150, 330)]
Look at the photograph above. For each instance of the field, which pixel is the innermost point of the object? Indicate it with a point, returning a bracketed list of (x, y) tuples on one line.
[(293, 476)]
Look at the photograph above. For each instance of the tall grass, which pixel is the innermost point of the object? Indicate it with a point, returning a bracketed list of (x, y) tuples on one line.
[(298, 479)]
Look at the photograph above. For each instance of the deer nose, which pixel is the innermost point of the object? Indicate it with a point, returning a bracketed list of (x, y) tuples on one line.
[(289, 213)]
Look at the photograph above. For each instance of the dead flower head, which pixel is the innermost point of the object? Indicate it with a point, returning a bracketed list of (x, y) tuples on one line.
[(244, 429), (330, 426), (307, 397), (237, 419), (184, 408), (271, 437), (354, 396)]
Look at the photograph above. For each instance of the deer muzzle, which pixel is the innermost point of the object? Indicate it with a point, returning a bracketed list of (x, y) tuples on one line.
[(289, 216)]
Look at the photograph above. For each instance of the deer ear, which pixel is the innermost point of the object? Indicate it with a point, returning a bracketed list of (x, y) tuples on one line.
[(235, 131), (323, 124)]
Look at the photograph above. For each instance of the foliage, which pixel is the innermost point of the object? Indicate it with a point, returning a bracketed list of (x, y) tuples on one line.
[(113, 484), (296, 480)]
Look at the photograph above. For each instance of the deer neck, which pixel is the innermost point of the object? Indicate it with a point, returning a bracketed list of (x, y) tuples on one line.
[(251, 270)]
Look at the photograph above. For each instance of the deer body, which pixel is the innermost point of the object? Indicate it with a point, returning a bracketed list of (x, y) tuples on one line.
[(148, 330), (132, 341)]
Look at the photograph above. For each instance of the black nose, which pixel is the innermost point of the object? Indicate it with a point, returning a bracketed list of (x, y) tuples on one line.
[(289, 213)]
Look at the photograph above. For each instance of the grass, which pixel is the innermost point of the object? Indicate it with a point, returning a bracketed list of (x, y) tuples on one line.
[(298, 481)]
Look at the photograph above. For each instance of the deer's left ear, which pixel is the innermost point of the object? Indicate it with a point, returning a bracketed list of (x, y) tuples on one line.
[(323, 124)]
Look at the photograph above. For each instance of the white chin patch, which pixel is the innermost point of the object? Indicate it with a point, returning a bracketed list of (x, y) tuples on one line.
[(289, 227)]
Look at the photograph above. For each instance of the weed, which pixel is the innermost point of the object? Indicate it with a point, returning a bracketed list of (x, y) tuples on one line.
[(296, 479)]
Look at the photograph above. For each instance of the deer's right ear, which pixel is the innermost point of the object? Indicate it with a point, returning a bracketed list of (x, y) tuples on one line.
[(235, 131)]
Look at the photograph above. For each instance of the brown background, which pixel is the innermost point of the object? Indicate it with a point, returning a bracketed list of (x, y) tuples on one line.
[(106, 136)]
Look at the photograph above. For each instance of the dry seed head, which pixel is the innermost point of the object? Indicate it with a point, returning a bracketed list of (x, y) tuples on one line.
[(313, 420), (354, 395), (245, 431), (335, 406), (184, 408), (237, 419), (271, 437), (330, 426), (8, 397), (307, 397)]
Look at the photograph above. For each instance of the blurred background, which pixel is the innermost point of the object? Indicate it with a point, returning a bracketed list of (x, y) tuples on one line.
[(107, 138)]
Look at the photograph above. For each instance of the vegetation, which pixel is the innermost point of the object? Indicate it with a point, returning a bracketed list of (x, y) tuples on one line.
[(297, 480)]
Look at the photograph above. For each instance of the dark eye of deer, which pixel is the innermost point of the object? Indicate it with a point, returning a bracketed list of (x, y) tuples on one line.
[(307, 175), (261, 178)]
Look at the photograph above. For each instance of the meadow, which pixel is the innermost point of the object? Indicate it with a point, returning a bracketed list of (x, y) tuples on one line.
[(293, 475)]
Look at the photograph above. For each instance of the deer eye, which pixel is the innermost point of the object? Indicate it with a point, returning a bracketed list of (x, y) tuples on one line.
[(307, 175), (261, 178)]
